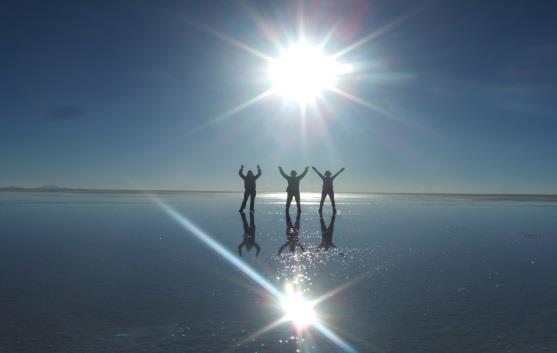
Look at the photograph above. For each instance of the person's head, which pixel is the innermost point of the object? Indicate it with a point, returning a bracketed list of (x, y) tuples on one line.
[(293, 173), (327, 173), (250, 173)]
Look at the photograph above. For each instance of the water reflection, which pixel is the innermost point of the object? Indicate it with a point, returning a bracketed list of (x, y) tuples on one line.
[(248, 241), (327, 233), (292, 235)]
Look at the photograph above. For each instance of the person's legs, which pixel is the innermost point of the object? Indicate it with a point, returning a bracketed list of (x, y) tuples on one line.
[(332, 198), (323, 195), (252, 201), (289, 200), (246, 195), (297, 196)]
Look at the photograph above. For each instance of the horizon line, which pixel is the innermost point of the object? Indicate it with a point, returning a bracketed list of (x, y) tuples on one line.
[(55, 189)]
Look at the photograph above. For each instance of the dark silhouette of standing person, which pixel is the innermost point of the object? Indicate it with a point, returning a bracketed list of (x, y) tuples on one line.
[(249, 235), (327, 234), (249, 187), (327, 188), (293, 189), (292, 235)]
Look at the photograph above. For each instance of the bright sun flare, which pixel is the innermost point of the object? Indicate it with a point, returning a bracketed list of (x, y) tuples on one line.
[(298, 310), (302, 72)]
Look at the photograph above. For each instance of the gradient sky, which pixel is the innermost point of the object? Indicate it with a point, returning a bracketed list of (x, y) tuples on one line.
[(125, 94)]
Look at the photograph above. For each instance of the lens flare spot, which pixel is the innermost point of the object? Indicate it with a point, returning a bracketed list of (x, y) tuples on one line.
[(298, 310)]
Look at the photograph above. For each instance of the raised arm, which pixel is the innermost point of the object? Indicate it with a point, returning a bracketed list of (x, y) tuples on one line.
[(315, 169), (241, 172), (340, 171), (258, 172), (304, 173), (283, 173)]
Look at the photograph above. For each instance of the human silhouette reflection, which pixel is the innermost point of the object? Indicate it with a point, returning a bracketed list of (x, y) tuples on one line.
[(327, 233), (292, 235), (249, 235)]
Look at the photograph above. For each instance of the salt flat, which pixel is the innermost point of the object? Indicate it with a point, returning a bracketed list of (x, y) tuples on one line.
[(86, 272)]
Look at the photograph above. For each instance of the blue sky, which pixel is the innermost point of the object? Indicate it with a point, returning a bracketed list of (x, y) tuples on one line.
[(125, 94)]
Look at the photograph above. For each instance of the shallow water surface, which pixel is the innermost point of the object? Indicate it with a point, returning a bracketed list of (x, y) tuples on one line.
[(88, 272)]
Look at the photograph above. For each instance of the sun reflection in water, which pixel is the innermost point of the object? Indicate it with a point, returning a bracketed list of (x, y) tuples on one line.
[(297, 309)]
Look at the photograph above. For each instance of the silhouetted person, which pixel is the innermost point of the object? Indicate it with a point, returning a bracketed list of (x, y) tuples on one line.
[(249, 235), (292, 235), (293, 189), (327, 234), (249, 187), (327, 188)]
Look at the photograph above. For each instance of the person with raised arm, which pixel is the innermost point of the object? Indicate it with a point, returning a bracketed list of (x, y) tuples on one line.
[(249, 187), (327, 188), (293, 189)]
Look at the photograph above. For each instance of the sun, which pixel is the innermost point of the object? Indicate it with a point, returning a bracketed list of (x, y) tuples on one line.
[(302, 72)]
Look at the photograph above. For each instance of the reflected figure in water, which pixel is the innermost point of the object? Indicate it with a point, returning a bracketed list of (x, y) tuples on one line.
[(292, 235), (327, 188), (327, 233), (293, 189), (249, 187), (249, 235)]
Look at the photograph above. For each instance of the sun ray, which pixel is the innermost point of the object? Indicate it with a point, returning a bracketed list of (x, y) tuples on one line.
[(228, 39), (359, 100), (318, 110), (369, 346), (259, 22), (219, 249), (303, 122), (263, 330), (371, 106), (243, 105), (300, 20), (337, 290), (333, 337), (375, 34), (327, 37), (237, 109)]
